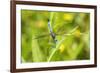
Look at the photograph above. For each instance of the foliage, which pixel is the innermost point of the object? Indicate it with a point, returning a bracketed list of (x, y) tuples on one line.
[(72, 34)]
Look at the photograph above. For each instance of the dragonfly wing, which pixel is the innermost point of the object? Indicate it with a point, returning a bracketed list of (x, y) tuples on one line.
[(66, 34), (70, 32), (41, 36)]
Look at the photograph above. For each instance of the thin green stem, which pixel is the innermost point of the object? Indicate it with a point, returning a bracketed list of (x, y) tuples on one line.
[(50, 57), (51, 17), (55, 49)]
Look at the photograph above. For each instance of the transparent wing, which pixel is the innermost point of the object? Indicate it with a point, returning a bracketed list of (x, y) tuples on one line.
[(70, 32), (41, 36)]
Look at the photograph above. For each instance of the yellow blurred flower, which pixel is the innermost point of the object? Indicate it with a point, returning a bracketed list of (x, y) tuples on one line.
[(68, 16), (40, 24), (62, 47), (77, 33)]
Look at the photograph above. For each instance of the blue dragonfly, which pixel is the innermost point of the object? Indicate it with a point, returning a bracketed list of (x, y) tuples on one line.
[(53, 34)]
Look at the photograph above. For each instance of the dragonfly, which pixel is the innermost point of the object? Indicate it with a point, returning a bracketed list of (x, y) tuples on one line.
[(53, 34)]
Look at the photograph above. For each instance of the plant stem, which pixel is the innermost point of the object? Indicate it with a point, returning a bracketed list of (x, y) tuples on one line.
[(55, 49), (50, 57)]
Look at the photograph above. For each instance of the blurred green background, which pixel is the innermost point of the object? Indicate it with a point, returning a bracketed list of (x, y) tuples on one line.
[(73, 36)]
